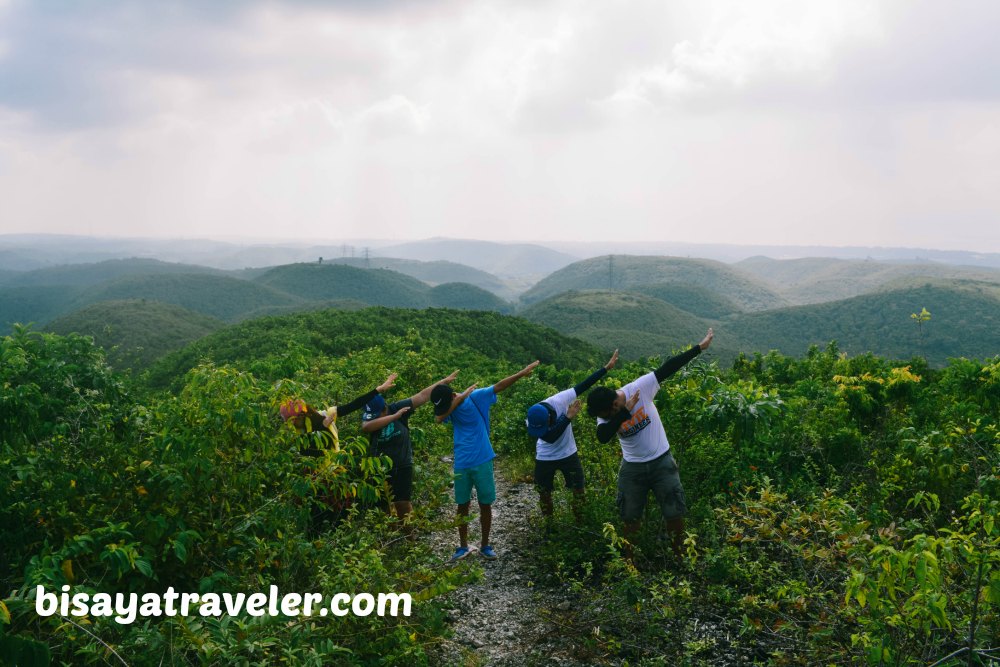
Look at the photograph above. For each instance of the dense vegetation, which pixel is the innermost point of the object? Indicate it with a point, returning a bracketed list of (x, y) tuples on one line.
[(626, 272), (699, 301), (638, 325), (135, 333), (842, 509), (819, 279), (965, 320)]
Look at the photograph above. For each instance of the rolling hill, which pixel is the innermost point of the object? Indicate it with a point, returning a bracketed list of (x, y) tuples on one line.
[(478, 334), (463, 296), (820, 279), (323, 282), (965, 321), (215, 295), (500, 259), (698, 301), (135, 333), (82, 275), (626, 272), (34, 304), (434, 272), (638, 325)]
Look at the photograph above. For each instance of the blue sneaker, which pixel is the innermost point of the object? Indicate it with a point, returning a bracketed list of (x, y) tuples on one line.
[(460, 553), (488, 552)]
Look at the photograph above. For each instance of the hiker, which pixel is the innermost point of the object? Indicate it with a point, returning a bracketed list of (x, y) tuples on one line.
[(319, 428), (550, 421), (469, 414), (388, 432), (647, 463)]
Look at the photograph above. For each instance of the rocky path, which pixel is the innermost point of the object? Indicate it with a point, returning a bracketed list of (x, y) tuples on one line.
[(506, 618)]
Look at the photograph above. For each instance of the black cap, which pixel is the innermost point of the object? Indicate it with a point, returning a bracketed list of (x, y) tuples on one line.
[(441, 398)]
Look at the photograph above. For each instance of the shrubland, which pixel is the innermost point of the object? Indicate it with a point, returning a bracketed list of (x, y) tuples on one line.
[(842, 510)]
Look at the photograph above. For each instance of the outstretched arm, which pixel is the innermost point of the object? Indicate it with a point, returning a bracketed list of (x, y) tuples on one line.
[(381, 422), (508, 381), (674, 364), (455, 402), (424, 394), (359, 402), (596, 375)]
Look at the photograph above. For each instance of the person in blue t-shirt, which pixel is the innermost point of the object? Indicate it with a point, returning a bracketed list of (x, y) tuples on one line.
[(469, 414)]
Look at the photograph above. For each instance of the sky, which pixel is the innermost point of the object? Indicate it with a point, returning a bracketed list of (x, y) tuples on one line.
[(838, 123)]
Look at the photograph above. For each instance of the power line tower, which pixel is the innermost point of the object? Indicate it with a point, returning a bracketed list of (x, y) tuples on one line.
[(611, 272), (367, 259)]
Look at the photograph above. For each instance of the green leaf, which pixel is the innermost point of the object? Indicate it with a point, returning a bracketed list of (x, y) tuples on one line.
[(144, 566)]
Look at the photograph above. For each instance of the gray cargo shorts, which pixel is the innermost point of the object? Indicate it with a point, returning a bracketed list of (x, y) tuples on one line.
[(661, 476)]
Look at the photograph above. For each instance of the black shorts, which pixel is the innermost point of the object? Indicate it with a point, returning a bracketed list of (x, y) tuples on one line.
[(572, 470), (401, 482)]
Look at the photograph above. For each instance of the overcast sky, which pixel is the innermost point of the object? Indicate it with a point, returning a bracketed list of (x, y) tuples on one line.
[(768, 122)]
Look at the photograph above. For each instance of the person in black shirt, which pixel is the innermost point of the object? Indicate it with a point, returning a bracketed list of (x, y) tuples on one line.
[(388, 429)]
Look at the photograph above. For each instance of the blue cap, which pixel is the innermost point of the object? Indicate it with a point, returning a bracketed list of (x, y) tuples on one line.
[(373, 409), (538, 419)]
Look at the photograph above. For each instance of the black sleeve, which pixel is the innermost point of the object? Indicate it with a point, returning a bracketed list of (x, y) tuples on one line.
[(356, 404), (674, 364), (589, 382), (556, 429), (607, 430)]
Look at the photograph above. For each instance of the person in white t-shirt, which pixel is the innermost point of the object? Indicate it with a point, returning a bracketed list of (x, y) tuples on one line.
[(647, 464), (555, 450)]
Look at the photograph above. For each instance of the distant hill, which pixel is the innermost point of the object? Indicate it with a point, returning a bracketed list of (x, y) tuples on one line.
[(329, 332), (318, 282), (215, 295), (135, 333), (81, 275), (464, 296), (965, 321), (626, 272), (434, 272), (38, 305), (500, 259), (639, 325), (698, 301), (819, 279)]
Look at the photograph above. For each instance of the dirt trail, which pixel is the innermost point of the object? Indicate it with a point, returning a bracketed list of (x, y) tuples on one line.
[(504, 619)]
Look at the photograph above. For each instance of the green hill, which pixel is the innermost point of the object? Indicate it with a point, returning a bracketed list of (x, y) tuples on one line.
[(695, 300), (218, 296), (82, 275), (463, 296), (625, 272), (434, 272), (323, 282), (820, 279), (475, 335), (33, 304), (638, 325), (965, 321), (500, 259), (135, 333)]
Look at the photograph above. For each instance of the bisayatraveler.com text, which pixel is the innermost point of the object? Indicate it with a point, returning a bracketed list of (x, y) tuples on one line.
[(127, 607)]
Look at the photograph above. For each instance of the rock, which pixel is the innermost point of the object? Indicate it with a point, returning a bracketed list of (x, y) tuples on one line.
[(564, 605)]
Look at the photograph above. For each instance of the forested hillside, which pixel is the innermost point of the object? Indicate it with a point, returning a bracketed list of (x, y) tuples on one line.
[(819, 279), (964, 321), (136, 333), (638, 325), (628, 272)]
